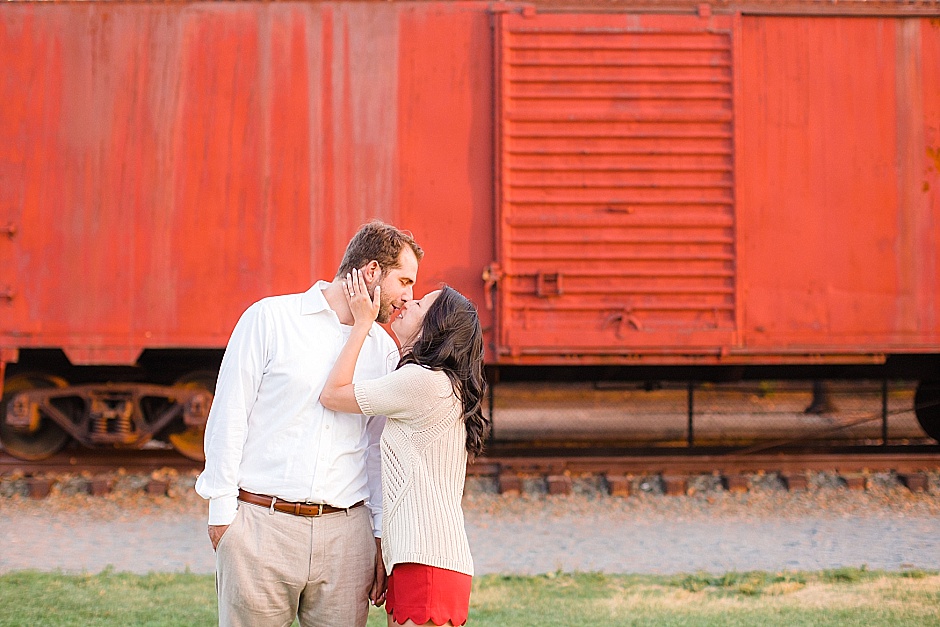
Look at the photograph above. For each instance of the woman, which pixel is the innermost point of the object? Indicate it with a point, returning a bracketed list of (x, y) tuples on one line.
[(433, 402)]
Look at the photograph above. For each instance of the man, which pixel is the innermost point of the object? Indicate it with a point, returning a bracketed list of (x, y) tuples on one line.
[(286, 478)]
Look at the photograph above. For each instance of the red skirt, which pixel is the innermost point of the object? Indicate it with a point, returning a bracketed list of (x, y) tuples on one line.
[(424, 593)]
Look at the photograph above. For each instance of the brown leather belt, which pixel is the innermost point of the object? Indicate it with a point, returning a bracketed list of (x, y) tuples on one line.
[(289, 507)]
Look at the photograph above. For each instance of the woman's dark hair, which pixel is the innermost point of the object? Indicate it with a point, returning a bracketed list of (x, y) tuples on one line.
[(451, 340)]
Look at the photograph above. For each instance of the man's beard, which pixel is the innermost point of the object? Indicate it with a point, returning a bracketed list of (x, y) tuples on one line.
[(385, 307)]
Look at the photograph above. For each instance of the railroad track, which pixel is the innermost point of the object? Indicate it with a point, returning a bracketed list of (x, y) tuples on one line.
[(99, 461), (541, 461), (707, 463)]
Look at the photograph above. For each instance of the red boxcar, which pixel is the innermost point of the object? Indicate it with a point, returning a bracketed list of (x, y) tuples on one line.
[(650, 184)]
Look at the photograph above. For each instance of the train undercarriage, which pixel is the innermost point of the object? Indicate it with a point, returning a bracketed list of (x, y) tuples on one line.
[(42, 413), (47, 403)]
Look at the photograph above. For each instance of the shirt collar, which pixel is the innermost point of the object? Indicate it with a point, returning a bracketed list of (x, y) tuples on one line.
[(313, 301)]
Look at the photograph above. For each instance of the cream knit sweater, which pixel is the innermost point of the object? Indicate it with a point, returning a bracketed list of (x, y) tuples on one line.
[(424, 465)]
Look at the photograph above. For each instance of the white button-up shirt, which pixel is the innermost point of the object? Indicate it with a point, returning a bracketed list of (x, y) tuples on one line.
[(267, 431)]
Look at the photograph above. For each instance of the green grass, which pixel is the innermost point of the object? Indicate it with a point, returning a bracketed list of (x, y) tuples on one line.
[(108, 598), (846, 596)]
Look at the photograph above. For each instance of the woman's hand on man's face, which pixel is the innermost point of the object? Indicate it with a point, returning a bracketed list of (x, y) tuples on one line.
[(364, 309)]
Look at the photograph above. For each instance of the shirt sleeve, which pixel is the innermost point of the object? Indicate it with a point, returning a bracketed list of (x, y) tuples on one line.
[(405, 394), (236, 390)]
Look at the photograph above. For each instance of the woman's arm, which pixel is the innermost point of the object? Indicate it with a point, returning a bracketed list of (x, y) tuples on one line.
[(338, 393)]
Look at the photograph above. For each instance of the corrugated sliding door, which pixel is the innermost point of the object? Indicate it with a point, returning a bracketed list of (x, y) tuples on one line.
[(616, 199)]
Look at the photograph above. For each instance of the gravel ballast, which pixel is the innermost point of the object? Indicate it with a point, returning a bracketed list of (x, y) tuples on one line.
[(710, 529)]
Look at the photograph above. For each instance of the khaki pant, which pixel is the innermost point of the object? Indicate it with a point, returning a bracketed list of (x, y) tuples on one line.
[(271, 567)]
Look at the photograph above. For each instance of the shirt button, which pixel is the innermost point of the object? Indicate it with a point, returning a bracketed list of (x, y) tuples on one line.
[(327, 427)]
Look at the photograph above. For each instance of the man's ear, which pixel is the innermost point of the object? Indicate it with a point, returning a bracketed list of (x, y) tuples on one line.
[(372, 272)]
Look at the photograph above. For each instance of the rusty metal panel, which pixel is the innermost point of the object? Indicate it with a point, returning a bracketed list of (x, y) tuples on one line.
[(445, 144), (837, 198), (928, 262), (147, 187), (616, 210), (164, 165)]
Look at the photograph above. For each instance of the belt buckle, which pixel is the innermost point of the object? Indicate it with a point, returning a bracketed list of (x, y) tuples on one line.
[(319, 507)]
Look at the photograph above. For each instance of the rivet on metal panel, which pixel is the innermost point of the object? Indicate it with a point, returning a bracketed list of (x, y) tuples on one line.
[(548, 284), (7, 293), (8, 229), (704, 10)]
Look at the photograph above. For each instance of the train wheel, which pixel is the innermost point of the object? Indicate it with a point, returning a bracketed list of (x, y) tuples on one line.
[(927, 407), (49, 438), (190, 442)]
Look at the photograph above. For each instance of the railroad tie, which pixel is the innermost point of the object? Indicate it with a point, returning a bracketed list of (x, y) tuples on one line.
[(619, 485), (510, 483), (856, 481), (736, 483), (914, 481), (795, 481), (559, 484), (675, 485)]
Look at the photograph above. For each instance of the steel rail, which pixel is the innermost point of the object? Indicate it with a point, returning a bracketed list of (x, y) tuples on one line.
[(535, 461), (709, 463), (80, 460)]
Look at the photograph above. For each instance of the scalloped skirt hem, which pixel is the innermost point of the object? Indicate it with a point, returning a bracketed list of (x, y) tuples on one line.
[(399, 616), (423, 594)]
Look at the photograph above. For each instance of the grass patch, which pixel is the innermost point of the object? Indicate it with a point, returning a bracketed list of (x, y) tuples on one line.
[(853, 596), (108, 598), (749, 583), (845, 575)]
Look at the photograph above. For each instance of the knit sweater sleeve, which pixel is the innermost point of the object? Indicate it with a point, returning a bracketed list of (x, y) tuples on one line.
[(405, 394)]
